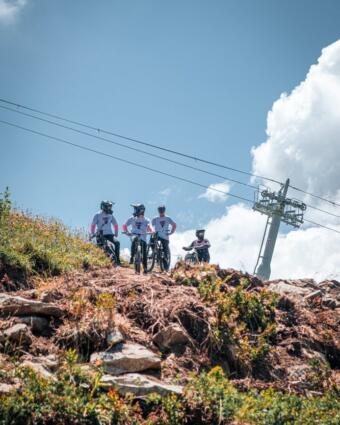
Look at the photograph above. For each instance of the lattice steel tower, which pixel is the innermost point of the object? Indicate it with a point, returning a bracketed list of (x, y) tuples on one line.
[(278, 208)]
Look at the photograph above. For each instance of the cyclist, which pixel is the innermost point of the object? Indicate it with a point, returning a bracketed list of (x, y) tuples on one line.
[(161, 225), (201, 245), (139, 226), (104, 221)]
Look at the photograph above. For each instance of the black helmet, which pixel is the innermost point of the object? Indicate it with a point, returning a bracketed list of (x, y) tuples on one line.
[(161, 208), (138, 209), (200, 233), (106, 207)]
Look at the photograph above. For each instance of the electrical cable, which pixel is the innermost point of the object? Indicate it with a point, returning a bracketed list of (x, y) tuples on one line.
[(58, 139), (321, 225), (129, 147), (134, 140)]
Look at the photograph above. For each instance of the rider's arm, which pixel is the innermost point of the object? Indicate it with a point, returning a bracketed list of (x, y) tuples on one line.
[(126, 225), (94, 224), (188, 248), (115, 226), (173, 228)]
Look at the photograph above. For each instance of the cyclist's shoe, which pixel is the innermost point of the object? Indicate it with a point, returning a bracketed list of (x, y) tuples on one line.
[(145, 272)]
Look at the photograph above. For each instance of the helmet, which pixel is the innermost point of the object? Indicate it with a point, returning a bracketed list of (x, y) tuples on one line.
[(106, 206), (138, 209), (161, 208), (200, 233)]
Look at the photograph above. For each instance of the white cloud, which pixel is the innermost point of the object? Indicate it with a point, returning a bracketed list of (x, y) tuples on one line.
[(303, 143), (9, 9), (303, 131), (216, 192)]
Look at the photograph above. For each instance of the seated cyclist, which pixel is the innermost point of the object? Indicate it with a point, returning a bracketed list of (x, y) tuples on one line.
[(161, 225), (201, 245), (105, 221), (138, 225)]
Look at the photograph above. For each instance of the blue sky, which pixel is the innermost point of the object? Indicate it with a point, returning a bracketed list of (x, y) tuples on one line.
[(196, 76)]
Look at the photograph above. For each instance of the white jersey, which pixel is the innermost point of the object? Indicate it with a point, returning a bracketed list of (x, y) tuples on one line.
[(162, 225), (104, 222), (139, 226)]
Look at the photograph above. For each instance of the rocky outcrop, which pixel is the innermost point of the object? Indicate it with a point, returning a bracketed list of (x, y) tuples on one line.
[(18, 306), (125, 358), (39, 368), (139, 385), (17, 335), (115, 337), (171, 336)]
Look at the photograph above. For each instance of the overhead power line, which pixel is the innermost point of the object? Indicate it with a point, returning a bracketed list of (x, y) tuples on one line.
[(138, 141), (66, 142), (145, 152), (321, 225), (134, 140), (315, 196), (129, 147), (60, 140)]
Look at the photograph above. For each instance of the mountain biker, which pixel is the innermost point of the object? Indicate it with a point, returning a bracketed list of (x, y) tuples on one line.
[(104, 221), (139, 226), (201, 245), (161, 225)]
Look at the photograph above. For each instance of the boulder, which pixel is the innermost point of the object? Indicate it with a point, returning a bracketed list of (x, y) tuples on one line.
[(125, 358), (114, 338), (139, 385), (39, 369), (19, 306), (171, 336), (7, 388), (283, 288), (17, 334)]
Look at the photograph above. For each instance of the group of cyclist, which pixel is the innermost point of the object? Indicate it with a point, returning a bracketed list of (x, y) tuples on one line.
[(138, 227)]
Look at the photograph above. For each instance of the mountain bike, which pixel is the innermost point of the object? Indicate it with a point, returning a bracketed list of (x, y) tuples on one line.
[(157, 255), (191, 257), (107, 246), (138, 257)]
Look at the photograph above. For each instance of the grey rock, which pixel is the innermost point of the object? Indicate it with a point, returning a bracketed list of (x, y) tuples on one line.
[(170, 337), (7, 388), (125, 358), (39, 369), (19, 306), (139, 385), (283, 288), (114, 338), (17, 334), (330, 302)]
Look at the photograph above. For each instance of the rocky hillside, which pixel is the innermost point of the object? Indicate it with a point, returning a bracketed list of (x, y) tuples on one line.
[(84, 343), (160, 334)]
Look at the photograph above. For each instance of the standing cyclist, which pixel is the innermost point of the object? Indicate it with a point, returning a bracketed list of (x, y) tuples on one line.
[(201, 246), (139, 226), (161, 225), (105, 221)]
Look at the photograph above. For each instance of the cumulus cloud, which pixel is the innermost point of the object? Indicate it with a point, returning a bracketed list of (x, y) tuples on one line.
[(9, 9), (216, 192), (303, 133)]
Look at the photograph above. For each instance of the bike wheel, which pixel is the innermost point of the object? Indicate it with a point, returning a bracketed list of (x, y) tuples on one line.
[(151, 256), (138, 258)]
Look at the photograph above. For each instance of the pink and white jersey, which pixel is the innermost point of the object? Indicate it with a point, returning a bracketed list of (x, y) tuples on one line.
[(105, 222), (162, 225), (139, 226)]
